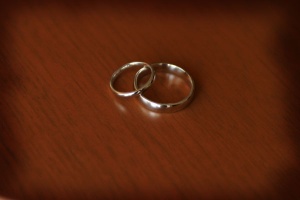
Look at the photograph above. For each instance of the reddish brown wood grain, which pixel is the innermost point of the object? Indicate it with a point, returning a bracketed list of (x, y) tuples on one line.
[(64, 135)]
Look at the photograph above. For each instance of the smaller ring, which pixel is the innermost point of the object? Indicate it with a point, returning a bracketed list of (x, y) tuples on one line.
[(137, 90), (166, 107)]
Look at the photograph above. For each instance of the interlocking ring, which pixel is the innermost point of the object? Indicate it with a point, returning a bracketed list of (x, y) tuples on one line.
[(166, 107), (150, 104), (136, 91)]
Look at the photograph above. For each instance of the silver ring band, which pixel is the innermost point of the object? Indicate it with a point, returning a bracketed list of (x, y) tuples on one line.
[(137, 90), (166, 107)]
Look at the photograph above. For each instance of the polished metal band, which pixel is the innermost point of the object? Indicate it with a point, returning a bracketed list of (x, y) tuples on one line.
[(136, 91), (165, 107)]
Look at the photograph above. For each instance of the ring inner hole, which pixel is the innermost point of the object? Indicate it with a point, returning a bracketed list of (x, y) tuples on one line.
[(168, 87), (124, 81)]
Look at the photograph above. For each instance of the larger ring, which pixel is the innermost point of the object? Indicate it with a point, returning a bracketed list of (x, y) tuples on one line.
[(166, 107), (137, 90)]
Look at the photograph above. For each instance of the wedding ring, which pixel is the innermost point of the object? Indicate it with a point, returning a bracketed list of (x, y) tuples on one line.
[(165, 107), (137, 90)]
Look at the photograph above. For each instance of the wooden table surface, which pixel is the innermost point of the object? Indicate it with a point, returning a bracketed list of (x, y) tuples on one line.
[(64, 135)]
